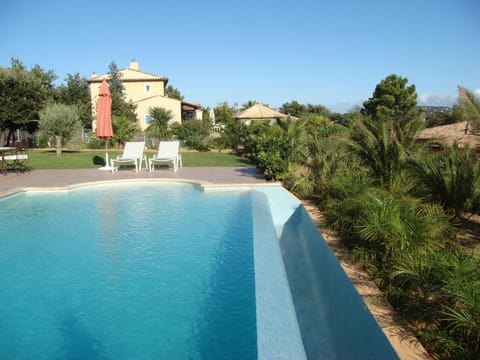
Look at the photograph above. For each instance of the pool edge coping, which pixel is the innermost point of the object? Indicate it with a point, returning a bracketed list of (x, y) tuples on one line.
[(205, 185)]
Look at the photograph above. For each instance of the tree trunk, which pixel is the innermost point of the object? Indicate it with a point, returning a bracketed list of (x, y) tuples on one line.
[(475, 127), (58, 145), (2, 137)]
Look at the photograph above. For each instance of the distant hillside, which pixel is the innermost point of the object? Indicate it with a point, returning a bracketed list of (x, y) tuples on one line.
[(429, 110)]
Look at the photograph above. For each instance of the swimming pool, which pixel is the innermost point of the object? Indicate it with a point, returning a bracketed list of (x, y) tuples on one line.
[(264, 284), (127, 272)]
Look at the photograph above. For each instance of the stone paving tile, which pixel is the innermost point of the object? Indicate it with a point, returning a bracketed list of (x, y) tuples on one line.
[(12, 181)]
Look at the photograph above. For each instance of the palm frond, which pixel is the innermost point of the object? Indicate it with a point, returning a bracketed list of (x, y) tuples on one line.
[(471, 106), (452, 179)]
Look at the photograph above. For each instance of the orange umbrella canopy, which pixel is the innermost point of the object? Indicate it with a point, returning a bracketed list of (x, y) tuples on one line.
[(104, 112)]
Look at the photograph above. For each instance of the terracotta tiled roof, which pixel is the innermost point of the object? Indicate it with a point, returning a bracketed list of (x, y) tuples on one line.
[(130, 75), (452, 133), (259, 111), (190, 106)]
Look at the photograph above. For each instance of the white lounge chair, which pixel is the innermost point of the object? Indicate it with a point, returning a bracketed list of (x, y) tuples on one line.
[(167, 152), (132, 154)]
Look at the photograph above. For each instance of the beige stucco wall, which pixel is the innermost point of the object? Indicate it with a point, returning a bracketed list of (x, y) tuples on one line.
[(158, 101), (145, 90), (137, 92)]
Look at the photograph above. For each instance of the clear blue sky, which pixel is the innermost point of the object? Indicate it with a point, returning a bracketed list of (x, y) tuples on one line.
[(329, 52)]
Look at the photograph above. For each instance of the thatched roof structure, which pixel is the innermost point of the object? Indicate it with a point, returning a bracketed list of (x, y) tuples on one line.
[(259, 112), (452, 133)]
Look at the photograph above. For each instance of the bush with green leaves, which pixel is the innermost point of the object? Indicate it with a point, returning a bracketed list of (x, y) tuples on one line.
[(273, 165), (123, 130), (194, 134), (408, 246), (451, 178), (438, 292), (317, 155), (273, 148), (95, 143), (42, 140), (271, 153), (233, 135)]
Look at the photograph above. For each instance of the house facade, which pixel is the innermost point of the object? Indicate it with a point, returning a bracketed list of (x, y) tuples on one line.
[(146, 91)]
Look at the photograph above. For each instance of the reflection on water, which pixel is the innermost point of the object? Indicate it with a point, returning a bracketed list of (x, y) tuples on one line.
[(77, 342), (106, 212), (226, 326)]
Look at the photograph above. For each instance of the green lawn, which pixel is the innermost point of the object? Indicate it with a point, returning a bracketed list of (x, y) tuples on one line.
[(46, 159)]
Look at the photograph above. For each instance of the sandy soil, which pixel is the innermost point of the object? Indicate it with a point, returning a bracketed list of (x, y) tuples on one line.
[(469, 236)]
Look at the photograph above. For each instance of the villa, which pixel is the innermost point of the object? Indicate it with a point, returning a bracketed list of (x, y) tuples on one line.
[(146, 91)]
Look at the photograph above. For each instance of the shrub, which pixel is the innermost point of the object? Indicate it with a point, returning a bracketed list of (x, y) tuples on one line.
[(272, 164), (270, 151), (451, 178), (75, 144), (95, 143), (194, 134), (42, 140), (123, 130), (197, 144), (439, 292)]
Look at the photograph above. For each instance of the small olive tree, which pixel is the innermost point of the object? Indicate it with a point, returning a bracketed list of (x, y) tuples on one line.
[(61, 121)]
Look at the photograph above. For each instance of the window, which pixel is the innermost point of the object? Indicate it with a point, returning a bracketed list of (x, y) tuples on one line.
[(147, 119), (147, 88)]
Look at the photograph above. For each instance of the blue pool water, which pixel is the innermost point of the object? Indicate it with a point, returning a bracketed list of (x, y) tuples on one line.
[(127, 272)]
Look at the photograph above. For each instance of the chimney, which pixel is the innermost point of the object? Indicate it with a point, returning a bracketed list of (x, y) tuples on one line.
[(133, 65)]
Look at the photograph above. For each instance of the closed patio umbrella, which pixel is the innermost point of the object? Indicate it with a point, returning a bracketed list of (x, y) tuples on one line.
[(104, 118), (104, 112)]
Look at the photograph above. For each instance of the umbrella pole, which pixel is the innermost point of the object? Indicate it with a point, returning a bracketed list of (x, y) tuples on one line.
[(106, 153)]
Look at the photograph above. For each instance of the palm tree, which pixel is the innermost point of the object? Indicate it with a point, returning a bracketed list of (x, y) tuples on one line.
[(325, 157), (372, 143), (471, 106), (123, 130), (160, 119), (452, 179), (383, 147), (294, 136)]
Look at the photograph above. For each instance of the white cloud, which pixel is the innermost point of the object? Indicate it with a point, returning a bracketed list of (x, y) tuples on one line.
[(436, 99)]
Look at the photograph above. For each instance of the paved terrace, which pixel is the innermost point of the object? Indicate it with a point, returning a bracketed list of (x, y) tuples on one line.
[(12, 182)]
